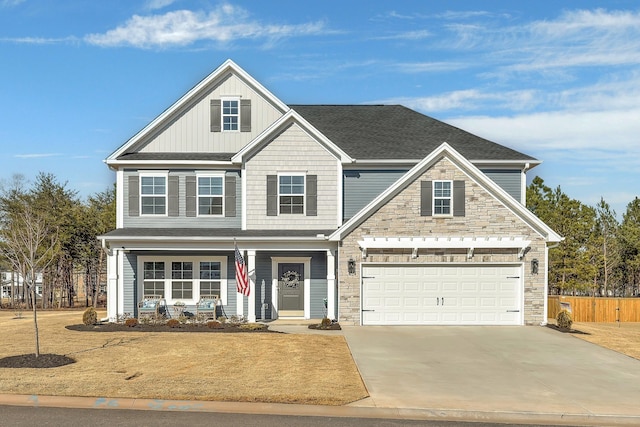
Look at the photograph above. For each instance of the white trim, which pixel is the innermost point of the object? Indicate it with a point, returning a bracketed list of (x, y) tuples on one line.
[(155, 174), (230, 99), (446, 151), (545, 300), (307, 282), (120, 198), (304, 194), (521, 297), (340, 197), (288, 118), (331, 285), (227, 67), (251, 272), (220, 174), (433, 198), (195, 297), (243, 208)]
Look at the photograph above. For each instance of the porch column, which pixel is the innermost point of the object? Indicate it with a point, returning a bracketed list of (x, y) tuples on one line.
[(251, 269), (331, 285), (112, 286)]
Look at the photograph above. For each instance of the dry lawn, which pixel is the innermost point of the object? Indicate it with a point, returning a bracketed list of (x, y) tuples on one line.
[(253, 367), (621, 337)]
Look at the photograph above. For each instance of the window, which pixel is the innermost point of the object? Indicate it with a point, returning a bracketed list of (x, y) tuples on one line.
[(291, 194), (210, 195), (153, 282), (153, 195), (184, 278), (181, 280), (442, 197), (230, 114), (209, 278)]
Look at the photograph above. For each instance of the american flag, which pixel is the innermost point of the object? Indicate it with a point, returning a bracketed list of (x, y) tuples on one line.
[(242, 278)]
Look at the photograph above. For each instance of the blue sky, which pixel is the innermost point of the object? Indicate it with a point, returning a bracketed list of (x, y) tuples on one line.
[(558, 80)]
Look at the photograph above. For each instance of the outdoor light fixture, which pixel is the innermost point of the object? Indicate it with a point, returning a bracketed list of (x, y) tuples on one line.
[(351, 266), (534, 266)]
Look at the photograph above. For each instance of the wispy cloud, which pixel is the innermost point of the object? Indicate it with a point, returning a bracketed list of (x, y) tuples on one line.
[(39, 40), (227, 23), (10, 3), (407, 35), (158, 4), (37, 155)]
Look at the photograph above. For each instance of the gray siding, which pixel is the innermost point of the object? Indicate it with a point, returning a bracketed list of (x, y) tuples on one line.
[(509, 179), (130, 286), (362, 186), (182, 220), (318, 282)]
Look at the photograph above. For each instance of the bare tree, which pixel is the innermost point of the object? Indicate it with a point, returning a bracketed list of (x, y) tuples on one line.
[(28, 243)]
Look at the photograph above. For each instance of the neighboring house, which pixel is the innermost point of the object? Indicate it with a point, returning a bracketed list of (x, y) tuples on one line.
[(13, 281), (368, 214)]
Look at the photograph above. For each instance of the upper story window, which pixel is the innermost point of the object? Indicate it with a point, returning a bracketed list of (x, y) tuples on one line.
[(230, 114), (210, 195), (291, 194), (442, 197), (153, 194)]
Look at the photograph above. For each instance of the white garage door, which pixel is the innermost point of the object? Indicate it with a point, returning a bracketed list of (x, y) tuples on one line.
[(441, 295)]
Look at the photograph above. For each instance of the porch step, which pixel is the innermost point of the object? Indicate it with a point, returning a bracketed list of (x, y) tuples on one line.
[(292, 321)]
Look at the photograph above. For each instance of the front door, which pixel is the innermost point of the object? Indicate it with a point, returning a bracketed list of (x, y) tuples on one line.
[(290, 289)]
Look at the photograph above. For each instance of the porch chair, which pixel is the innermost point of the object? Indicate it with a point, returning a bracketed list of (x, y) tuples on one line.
[(206, 307), (150, 305)]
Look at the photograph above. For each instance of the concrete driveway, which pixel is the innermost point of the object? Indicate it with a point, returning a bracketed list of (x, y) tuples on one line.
[(488, 370)]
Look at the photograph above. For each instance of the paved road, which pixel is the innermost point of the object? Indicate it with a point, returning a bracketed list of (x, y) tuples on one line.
[(17, 416)]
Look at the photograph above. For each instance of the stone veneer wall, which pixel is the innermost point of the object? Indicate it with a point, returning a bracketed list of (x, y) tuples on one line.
[(484, 216)]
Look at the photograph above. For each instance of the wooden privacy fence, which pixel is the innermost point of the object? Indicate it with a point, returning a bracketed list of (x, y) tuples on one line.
[(589, 309)]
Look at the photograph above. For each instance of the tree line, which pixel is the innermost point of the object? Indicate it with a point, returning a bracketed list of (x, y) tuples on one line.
[(600, 255), (47, 231)]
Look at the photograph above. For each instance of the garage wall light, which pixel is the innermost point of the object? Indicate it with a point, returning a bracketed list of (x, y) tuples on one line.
[(534, 266), (351, 266)]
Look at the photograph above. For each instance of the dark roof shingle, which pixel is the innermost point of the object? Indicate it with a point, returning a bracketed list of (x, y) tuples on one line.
[(378, 132)]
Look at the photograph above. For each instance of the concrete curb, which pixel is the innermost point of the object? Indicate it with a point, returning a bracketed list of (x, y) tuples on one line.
[(316, 410)]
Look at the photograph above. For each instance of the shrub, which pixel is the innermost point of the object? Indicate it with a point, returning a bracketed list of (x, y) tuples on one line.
[(564, 320), (90, 316), (173, 323), (131, 322), (326, 322), (214, 324)]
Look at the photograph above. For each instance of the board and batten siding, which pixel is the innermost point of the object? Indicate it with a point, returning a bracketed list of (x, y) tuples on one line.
[(182, 220), (191, 130), (509, 179), (292, 151), (362, 186)]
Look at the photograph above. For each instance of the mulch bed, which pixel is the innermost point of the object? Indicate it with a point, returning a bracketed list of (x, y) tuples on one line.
[(334, 326), (31, 361), (186, 327)]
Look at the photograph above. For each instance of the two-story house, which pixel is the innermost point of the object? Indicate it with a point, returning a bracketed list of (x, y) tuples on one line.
[(368, 214)]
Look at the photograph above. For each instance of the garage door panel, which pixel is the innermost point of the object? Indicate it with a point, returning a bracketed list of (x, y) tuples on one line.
[(421, 294)]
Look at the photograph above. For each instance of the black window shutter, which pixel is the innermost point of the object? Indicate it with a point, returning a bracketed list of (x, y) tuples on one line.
[(245, 115), (229, 196), (190, 191), (134, 196), (216, 115), (272, 195), (458, 198), (312, 195), (173, 203), (426, 198)]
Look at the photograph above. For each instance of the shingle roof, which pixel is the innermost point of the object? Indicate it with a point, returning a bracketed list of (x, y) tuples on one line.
[(379, 132), (220, 157)]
